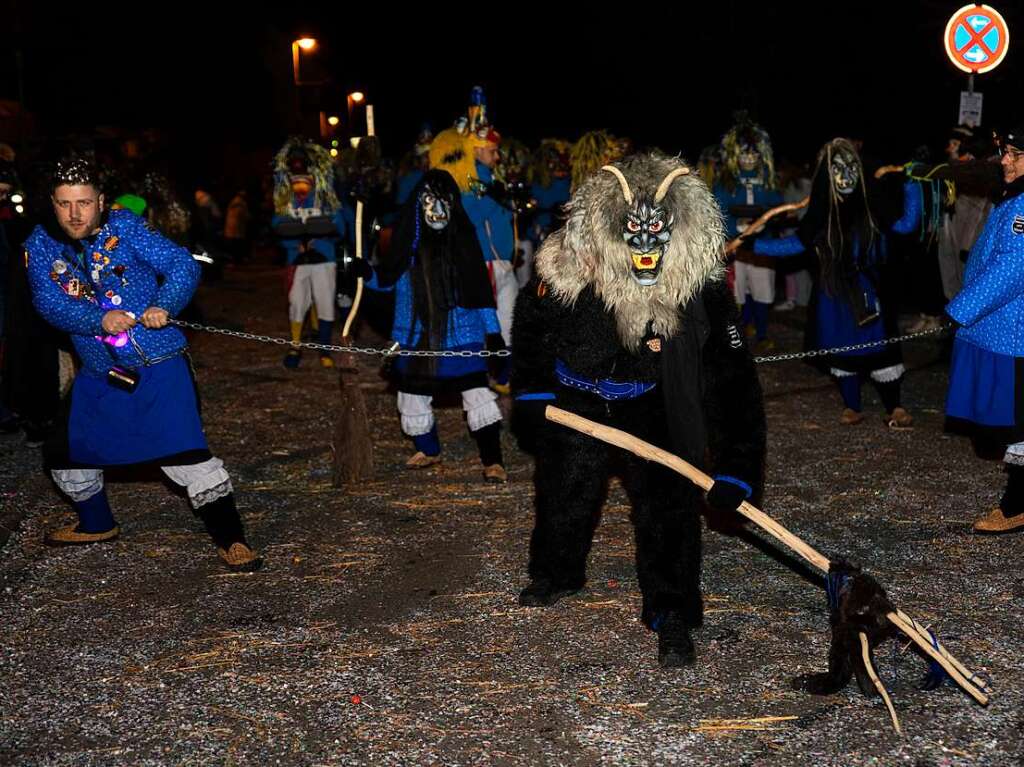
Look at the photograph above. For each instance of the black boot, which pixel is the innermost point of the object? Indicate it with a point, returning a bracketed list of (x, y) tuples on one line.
[(675, 647), (225, 528), (543, 593)]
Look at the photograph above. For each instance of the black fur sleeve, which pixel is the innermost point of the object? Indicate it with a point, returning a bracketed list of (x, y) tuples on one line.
[(533, 356), (733, 404)]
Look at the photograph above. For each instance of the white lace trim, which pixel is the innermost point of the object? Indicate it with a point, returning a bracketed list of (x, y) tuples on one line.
[(1015, 454), (889, 374), (481, 406), (78, 484), (209, 496)]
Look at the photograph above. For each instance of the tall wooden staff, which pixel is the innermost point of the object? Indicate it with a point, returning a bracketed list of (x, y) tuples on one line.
[(913, 630), (758, 225), (353, 444)]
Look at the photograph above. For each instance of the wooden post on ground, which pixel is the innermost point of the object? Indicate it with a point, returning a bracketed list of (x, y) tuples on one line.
[(352, 444)]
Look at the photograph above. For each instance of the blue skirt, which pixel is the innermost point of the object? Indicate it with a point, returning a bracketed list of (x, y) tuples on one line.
[(982, 386), (109, 427)]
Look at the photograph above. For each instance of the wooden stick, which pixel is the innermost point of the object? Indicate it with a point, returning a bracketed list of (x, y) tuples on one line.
[(767, 216), (359, 245), (922, 632), (865, 649), (886, 169), (648, 451), (909, 628)]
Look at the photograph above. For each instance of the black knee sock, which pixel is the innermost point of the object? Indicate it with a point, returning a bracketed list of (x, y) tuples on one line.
[(222, 521), (1012, 503), (488, 442), (889, 393)]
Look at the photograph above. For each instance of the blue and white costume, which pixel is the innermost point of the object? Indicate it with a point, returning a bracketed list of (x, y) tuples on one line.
[(986, 376), (125, 266)]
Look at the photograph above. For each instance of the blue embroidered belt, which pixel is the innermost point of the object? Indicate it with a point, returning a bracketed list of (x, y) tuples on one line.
[(602, 387)]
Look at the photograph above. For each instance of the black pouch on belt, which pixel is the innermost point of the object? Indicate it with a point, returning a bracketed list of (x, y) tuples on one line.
[(123, 378)]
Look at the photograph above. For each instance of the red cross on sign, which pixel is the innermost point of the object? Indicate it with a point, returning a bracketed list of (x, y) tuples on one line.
[(976, 38)]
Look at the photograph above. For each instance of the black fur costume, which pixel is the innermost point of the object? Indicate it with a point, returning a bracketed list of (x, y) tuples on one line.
[(706, 406)]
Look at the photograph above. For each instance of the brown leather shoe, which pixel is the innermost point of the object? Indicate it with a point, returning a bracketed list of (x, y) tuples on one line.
[(495, 474), (850, 417), (70, 536), (995, 523), (422, 460), (899, 419), (240, 558)]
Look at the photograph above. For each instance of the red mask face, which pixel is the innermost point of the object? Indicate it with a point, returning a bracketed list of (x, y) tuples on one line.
[(301, 187)]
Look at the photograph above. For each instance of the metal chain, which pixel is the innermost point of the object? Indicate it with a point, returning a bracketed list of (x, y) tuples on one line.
[(852, 347), (507, 352), (332, 348)]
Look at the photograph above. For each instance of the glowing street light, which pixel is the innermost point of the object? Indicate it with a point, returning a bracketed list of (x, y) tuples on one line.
[(333, 121), (306, 44), (356, 97)]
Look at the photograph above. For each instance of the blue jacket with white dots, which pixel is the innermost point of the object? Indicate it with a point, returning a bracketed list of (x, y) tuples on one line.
[(127, 265), (990, 306)]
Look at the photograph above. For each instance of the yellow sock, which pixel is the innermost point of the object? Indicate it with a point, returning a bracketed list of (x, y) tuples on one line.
[(314, 322), (296, 331)]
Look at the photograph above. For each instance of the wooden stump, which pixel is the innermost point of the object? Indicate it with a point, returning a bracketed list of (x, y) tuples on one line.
[(352, 444)]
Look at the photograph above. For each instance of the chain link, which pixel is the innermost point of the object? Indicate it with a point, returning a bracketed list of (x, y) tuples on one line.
[(345, 349), (852, 347), (506, 352)]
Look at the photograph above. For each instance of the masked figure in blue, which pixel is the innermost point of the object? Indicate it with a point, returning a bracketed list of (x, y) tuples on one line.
[(443, 302), (845, 230), (747, 187)]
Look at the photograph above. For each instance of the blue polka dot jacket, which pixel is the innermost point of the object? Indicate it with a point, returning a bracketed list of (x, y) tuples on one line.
[(127, 265), (990, 306)]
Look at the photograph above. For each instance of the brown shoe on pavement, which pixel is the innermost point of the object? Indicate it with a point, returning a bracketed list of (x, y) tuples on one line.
[(421, 461), (240, 558), (995, 523), (850, 417), (899, 419), (70, 536), (495, 474)]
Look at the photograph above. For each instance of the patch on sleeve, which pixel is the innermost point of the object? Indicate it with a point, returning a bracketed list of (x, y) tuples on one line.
[(735, 339), (1018, 224)]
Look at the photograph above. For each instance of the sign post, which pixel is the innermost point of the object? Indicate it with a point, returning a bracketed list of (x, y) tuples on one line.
[(976, 41)]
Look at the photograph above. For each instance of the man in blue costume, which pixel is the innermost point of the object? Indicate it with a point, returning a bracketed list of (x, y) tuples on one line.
[(112, 282), (493, 221), (308, 218), (986, 375), (443, 302), (746, 187)]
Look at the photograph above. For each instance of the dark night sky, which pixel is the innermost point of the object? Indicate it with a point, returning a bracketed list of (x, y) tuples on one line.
[(219, 84)]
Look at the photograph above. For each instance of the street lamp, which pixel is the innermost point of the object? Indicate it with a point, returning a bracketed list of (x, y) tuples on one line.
[(356, 97), (306, 44), (333, 121)]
